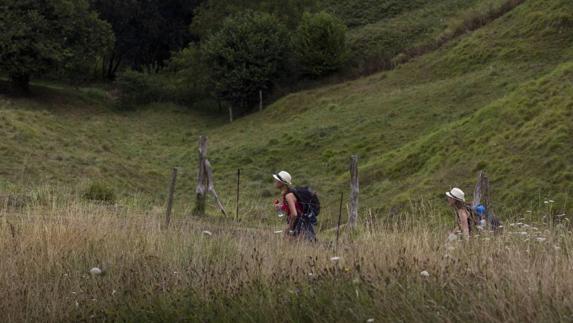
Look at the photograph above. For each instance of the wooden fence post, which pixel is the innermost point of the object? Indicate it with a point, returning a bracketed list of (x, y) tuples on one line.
[(170, 197), (355, 187), (205, 181), (231, 114), (339, 219), (202, 180), (238, 191), (211, 186), (260, 100)]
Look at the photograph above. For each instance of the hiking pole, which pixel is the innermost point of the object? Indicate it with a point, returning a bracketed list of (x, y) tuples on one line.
[(339, 219), (238, 190)]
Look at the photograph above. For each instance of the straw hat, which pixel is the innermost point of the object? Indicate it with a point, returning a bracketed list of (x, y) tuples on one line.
[(456, 194), (283, 177)]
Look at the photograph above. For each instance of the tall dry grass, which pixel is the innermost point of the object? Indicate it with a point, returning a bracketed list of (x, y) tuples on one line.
[(241, 273)]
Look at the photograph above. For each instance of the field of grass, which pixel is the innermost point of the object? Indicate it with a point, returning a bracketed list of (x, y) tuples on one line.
[(499, 99), (406, 271)]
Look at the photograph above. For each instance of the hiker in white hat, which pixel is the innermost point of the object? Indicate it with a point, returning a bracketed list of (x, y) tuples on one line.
[(457, 200), (289, 205)]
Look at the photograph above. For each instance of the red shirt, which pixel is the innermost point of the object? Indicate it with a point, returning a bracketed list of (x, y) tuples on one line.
[(286, 209)]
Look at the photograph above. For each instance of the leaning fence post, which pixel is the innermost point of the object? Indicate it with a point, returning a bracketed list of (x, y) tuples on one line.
[(355, 189), (170, 197)]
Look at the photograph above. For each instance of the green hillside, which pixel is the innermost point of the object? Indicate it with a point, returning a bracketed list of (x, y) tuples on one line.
[(499, 98)]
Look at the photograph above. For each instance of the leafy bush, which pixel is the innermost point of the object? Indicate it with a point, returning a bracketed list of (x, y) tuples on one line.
[(246, 56), (99, 192), (320, 43)]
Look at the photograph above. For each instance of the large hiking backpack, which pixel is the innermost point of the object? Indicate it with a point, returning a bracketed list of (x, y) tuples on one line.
[(309, 202)]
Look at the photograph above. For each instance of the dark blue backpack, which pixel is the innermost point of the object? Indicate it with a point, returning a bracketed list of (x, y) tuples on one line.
[(309, 202)]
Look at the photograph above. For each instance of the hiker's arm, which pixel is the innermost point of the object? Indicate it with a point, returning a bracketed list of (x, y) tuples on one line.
[(463, 221), (291, 200)]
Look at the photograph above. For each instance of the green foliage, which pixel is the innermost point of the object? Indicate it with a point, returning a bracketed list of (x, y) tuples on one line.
[(189, 72), (210, 15), (99, 192), (38, 36), (320, 43), (147, 31), (246, 55)]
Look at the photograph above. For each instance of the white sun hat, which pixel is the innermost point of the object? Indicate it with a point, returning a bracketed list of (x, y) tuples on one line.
[(283, 177), (457, 194)]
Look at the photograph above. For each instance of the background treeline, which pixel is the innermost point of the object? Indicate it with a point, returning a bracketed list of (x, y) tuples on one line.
[(214, 54)]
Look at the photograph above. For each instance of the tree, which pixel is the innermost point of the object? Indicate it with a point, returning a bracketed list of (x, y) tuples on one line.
[(146, 31), (39, 36), (320, 43), (245, 56)]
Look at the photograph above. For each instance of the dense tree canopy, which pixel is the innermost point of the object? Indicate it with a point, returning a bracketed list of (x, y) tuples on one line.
[(246, 55), (38, 36), (146, 31)]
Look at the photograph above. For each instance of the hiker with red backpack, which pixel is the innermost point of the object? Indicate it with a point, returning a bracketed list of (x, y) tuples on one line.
[(300, 205)]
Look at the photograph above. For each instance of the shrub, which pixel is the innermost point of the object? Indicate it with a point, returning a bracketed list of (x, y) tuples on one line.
[(99, 192), (137, 88), (320, 43)]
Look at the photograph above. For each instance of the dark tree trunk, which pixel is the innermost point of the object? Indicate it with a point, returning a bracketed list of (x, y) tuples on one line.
[(20, 82), (110, 66)]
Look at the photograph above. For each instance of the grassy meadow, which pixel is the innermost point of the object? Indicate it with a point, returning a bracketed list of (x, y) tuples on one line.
[(499, 99), (205, 271)]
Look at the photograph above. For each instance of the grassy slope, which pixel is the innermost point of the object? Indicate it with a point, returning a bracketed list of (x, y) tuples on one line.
[(72, 136), (394, 120), (504, 91)]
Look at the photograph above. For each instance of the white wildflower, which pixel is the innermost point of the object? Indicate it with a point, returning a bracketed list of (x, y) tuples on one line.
[(425, 274), (279, 231), (334, 258), (452, 237), (207, 233), (370, 320), (96, 271), (541, 239), (523, 233)]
